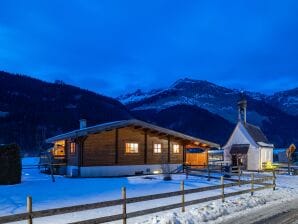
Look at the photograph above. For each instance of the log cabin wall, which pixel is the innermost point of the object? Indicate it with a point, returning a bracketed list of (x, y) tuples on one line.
[(131, 135), (176, 157), (72, 157), (156, 158), (99, 149)]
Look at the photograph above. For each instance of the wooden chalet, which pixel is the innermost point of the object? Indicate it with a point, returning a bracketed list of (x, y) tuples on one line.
[(126, 147)]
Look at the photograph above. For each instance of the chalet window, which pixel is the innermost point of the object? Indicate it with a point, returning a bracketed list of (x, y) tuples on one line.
[(72, 148), (157, 148), (131, 147), (176, 148)]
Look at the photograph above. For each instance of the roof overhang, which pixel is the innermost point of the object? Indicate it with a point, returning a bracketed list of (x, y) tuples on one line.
[(266, 145), (239, 149), (126, 123)]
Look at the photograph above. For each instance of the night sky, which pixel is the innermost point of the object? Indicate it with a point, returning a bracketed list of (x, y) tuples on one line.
[(113, 47)]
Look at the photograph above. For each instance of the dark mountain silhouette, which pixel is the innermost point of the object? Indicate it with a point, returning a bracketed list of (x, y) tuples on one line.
[(32, 110), (190, 120)]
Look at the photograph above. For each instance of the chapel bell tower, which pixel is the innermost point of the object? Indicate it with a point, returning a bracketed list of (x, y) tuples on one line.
[(242, 105)]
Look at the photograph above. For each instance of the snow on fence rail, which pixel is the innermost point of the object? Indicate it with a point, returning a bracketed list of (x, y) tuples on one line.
[(30, 215)]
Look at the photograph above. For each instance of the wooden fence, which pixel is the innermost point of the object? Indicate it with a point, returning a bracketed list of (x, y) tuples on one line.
[(208, 170), (31, 215)]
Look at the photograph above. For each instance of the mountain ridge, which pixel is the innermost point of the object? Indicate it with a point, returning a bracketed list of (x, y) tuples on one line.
[(32, 110), (132, 101), (278, 123)]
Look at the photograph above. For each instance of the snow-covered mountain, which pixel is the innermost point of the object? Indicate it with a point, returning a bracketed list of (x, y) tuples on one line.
[(276, 119), (206, 95), (216, 99), (137, 96), (286, 100)]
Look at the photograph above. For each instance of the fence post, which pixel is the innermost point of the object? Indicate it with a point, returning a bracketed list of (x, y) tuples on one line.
[(273, 180), (222, 189), (239, 181), (29, 209), (183, 197), (252, 185), (208, 172), (187, 170), (124, 205)]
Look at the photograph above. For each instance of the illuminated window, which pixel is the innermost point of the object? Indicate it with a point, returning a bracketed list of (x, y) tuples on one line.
[(176, 148), (72, 148), (157, 148), (59, 148), (131, 147)]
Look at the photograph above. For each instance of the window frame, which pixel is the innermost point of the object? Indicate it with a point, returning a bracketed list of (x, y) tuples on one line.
[(131, 145), (176, 150), (157, 150)]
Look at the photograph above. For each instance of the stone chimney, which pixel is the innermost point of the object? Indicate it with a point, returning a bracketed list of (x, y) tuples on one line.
[(83, 123)]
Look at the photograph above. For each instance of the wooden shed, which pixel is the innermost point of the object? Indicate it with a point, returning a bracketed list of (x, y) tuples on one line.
[(126, 147)]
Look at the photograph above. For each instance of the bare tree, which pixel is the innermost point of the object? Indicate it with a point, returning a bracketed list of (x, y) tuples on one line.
[(165, 168)]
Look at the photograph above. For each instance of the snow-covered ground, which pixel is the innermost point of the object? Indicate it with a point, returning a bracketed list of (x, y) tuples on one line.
[(73, 191), (235, 208)]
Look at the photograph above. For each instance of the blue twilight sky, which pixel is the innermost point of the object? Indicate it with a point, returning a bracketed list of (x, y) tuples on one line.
[(113, 47)]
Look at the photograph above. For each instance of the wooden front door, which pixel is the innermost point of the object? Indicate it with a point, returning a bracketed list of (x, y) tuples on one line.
[(239, 160), (234, 160), (198, 159)]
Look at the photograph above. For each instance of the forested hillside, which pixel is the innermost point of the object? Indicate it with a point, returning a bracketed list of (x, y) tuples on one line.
[(32, 110)]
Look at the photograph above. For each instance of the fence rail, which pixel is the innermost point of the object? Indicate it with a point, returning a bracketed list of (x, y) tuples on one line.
[(30, 215)]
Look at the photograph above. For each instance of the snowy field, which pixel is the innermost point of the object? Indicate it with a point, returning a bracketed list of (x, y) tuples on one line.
[(73, 191)]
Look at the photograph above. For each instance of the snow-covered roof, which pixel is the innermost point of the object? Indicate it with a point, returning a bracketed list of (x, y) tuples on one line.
[(256, 133), (253, 133), (263, 144), (125, 123)]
